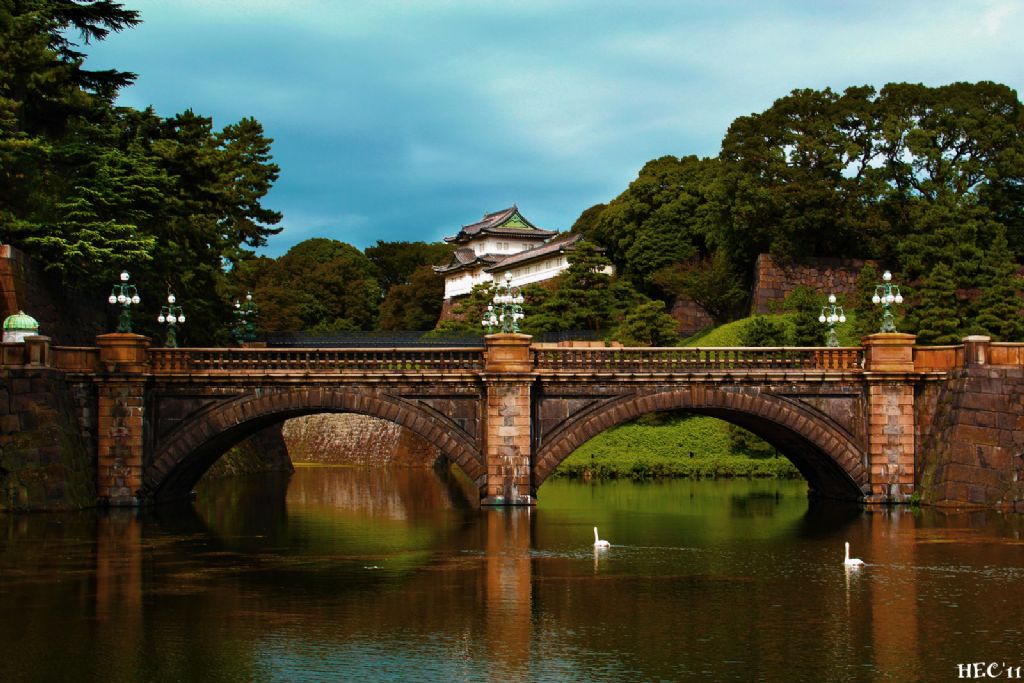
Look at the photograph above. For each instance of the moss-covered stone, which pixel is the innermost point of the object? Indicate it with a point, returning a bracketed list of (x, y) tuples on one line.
[(45, 462), (264, 451)]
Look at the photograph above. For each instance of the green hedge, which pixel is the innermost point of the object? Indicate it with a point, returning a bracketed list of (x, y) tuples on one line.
[(659, 446)]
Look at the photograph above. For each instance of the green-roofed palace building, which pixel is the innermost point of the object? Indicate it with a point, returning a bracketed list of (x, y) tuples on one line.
[(503, 241)]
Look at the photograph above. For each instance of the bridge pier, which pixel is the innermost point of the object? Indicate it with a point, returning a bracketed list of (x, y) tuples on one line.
[(508, 380), (891, 380), (121, 401)]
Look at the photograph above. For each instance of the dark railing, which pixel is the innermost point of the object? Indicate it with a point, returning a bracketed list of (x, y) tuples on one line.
[(569, 336), (372, 339), (690, 359), (171, 361)]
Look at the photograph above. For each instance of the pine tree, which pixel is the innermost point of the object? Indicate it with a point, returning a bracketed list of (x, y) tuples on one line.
[(763, 331), (935, 314), (648, 325), (583, 297), (806, 305), (999, 306), (869, 315)]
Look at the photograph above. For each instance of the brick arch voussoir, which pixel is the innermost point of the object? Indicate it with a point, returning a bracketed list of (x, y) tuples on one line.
[(257, 408), (816, 429)]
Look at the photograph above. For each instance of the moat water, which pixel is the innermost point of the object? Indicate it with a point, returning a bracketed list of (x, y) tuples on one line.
[(391, 575)]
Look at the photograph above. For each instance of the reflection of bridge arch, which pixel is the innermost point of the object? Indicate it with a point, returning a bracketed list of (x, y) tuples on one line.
[(825, 453), (187, 452)]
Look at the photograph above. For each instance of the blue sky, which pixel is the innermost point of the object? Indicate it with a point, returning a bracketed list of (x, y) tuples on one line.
[(404, 119)]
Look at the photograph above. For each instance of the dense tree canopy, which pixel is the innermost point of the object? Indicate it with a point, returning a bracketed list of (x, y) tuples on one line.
[(920, 178), (659, 220), (88, 188), (318, 285), (414, 304), (412, 292)]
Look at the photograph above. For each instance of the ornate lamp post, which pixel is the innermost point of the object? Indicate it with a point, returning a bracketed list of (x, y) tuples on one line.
[(124, 294), (830, 315), (172, 315), (887, 294), (245, 320), (506, 310)]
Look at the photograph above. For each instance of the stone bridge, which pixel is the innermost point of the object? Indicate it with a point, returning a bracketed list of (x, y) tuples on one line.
[(851, 419)]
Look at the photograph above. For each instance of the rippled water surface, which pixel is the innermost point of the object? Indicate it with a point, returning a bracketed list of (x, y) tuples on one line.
[(347, 574)]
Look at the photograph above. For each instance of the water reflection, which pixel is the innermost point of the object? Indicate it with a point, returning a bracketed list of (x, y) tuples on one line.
[(348, 574)]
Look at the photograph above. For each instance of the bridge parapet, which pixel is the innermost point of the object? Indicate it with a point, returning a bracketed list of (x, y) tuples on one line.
[(170, 361), (33, 352), (975, 350), (938, 358), (690, 359)]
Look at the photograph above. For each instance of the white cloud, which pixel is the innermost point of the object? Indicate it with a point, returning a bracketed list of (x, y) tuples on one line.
[(999, 20)]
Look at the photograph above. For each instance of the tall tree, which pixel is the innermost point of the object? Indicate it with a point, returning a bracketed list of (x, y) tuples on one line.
[(50, 194), (806, 305), (935, 316), (647, 325), (582, 297), (794, 174), (659, 220), (999, 305), (88, 188), (868, 319)]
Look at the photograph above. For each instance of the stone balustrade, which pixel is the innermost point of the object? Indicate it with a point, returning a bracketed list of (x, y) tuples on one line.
[(271, 360), (693, 359)]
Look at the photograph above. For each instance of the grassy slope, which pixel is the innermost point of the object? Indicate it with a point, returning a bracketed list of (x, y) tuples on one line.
[(729, 333), (638, 450), (683, 446)]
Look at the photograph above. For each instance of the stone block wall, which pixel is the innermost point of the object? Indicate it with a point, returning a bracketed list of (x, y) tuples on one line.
[(264, 451), (974, 454), (46, 458), (690, 316), (774, 282), (352, 439)]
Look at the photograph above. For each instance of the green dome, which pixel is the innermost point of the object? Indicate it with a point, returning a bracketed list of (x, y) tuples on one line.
[(21, 321)]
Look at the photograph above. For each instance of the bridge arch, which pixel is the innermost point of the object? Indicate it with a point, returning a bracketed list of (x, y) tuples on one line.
[(825, 453), (191, 448)]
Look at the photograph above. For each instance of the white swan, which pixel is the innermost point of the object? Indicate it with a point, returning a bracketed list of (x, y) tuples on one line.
[(598, 543), (851, 561)]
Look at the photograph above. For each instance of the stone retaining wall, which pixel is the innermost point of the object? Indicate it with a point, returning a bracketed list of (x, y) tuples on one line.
[(350, 439), (690, 316), (264, 451), (774, 282), (974, 452), (46, 453)]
